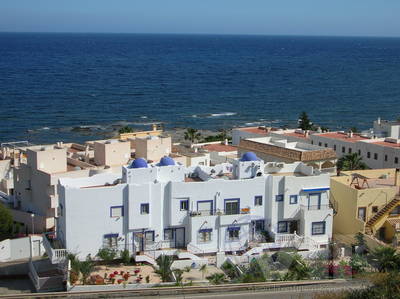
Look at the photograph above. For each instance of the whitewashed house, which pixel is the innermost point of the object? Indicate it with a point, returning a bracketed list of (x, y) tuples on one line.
[(204, 209)]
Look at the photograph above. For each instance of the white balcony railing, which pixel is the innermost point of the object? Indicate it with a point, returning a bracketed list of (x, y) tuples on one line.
[(55, 255)]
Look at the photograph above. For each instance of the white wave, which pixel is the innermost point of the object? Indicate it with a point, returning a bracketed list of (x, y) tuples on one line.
[(144, 116), (222, 114)]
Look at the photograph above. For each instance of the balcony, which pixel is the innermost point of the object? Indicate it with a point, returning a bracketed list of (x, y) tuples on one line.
[(315, 207), (56, 255), (219, 212)]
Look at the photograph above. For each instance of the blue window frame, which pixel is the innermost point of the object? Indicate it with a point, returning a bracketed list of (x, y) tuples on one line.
[(293, 199), (258, 200), (279, 197), (259, 225), (314, 201), (184, 205), (318, 228), (233, 233), (144, 208), (283, 227), (232, 206), (116, 211)]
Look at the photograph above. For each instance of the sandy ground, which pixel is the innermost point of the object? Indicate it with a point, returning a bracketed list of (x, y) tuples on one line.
[(195, 275), (144, 271)]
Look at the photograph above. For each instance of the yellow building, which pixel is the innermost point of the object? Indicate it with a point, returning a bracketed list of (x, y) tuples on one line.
[(367, 201)]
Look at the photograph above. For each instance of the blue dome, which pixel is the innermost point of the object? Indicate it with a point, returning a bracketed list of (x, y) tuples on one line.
[(138, 163), (167, 161), (249, 156)]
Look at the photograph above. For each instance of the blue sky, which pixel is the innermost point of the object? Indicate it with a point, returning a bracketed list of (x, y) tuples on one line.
[(295, 17)]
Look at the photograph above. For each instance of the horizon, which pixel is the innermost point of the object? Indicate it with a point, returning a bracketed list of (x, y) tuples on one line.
[(205, 34), (358, 18)]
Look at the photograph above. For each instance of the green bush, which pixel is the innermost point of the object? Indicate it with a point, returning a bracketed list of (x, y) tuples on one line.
[(125, 256)]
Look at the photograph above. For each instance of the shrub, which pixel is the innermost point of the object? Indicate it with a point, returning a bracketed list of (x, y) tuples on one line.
[(125, 256), (107, 254)]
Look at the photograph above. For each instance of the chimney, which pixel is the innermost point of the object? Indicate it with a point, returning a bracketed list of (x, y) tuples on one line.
[(306, 133), (379, 120), (351, 134), (154, 127), (226, 141)]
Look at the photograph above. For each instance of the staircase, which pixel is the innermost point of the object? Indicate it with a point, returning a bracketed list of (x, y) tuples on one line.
[(386, 209)]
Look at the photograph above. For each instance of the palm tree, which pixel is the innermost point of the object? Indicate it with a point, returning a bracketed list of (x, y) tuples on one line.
[(217, 278), (178, 276), (385, 259), (203, 270), (192, 135), (164, 263), (125, 129), (351, 162), (86, 268)]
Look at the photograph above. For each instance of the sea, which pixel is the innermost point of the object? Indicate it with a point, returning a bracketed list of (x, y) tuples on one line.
[(77, 87)]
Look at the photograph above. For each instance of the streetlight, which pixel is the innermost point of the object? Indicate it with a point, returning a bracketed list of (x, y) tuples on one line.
[(33, 225)]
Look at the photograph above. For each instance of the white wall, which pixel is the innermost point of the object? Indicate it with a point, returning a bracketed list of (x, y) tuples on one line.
[(21, 248)]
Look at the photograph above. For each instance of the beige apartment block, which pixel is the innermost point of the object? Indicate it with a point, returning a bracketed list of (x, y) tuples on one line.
[(112, 152), (153, 148)]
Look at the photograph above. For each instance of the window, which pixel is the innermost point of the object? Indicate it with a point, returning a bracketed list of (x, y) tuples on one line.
[(320, 143), (110, 241), (359, 152), (375, 209), (396, 160), (259, 225), (279, 197), (184, 205), (293, 199), (205, 235), (343, 149), (362, 213), (258, 200), (368, 155), (117, 211), (149, 237), (312, 141), (282, 227), (350, 150), (386, 158), (168, 234), (60, 210), (375, 156), (233, 233), (318, 228), (144, 208), (232, 206), (395, 211), (326, 144), (334, 147)]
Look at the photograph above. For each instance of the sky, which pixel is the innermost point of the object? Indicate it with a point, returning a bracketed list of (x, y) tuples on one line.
[(267, 17)]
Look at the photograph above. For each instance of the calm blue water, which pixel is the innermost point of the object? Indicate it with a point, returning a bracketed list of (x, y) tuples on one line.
[(50, 83)]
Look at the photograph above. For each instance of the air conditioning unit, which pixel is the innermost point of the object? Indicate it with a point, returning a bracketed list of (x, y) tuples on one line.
[(280, 165)]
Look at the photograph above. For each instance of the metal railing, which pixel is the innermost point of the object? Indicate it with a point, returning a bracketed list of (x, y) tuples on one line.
[(315, 207), (219, 212), (194, 249)]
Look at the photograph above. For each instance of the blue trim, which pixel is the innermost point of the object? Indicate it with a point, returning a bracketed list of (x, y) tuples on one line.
[(293, 197), (232, 199), (232, 228), (256, 198), (279, 197), (212, 206), (205, 230), (184, 236), (149, 231), (319, 222), (315, 189), (110, 236), (169, 229), (113, 207)]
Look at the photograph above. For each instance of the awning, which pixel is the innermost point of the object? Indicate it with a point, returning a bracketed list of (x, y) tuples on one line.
[(111, 236), (205, 230), (316, 189), (233, 228)]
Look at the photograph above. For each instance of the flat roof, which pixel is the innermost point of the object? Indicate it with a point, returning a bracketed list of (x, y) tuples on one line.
[(386, 143), (220, 148), (343, 136), (296, 134), (254, 130)]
